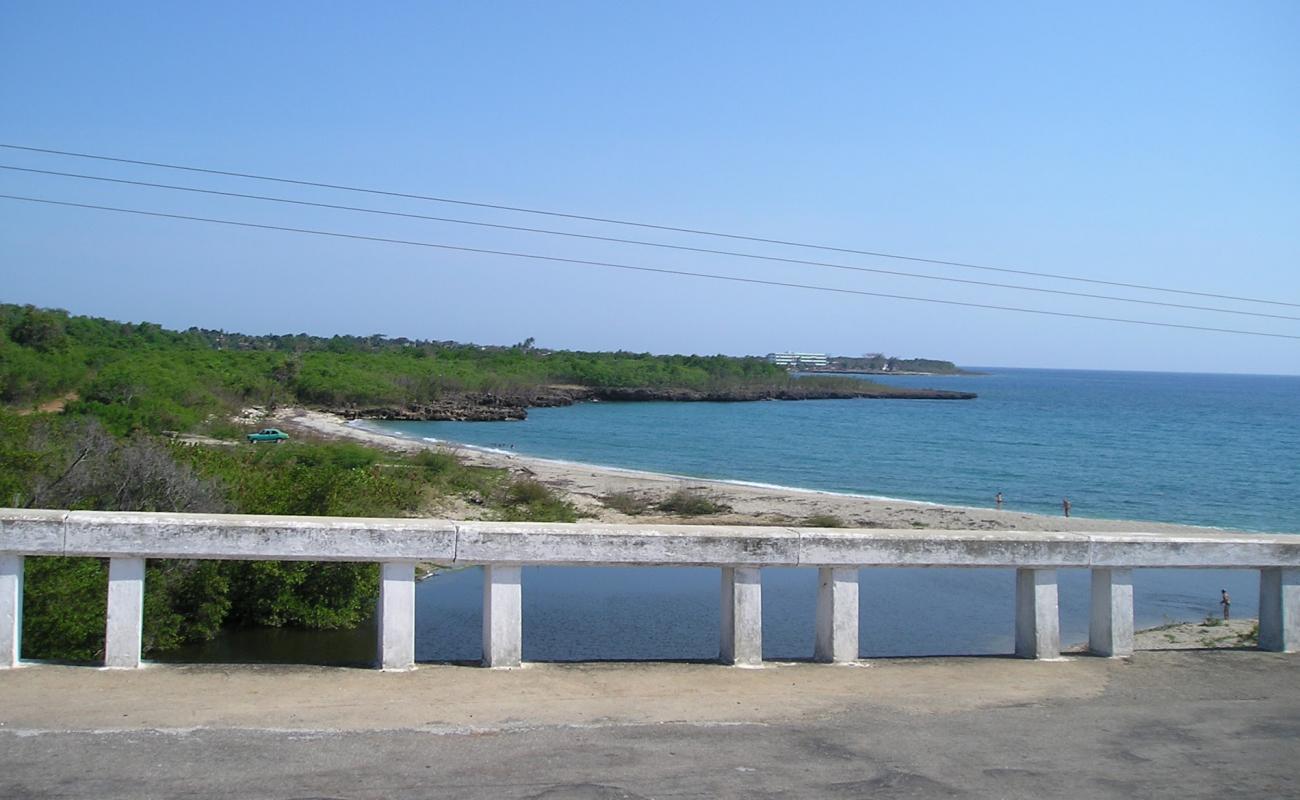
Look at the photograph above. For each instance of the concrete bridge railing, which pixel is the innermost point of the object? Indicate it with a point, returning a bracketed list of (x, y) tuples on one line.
[(502, 548)]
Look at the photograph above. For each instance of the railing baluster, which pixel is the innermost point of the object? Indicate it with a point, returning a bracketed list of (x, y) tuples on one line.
[(502, 616), (837, 615), (1038, 620), (742, 617), (1279, 609), (11, 610), (124, 633), (396, 615), (1110, 626)]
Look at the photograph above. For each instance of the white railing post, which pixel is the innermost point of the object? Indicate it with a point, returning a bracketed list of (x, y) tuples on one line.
[(124, 633), (742, 617), (396, 615), (1110, 626), (502, 616), (837, 615), (1279, 609), (1038, 622), (11, 610)]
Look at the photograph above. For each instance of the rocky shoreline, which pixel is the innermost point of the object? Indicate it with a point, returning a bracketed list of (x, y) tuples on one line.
[(493, 407)]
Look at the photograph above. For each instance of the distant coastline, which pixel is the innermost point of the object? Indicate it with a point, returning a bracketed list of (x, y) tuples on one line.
[(959, 372)]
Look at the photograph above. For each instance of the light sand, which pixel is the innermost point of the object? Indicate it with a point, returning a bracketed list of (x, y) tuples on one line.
[(442, 698), (584, 485)]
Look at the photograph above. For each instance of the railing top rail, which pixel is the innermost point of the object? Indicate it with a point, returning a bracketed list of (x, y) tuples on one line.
[(233, 536)]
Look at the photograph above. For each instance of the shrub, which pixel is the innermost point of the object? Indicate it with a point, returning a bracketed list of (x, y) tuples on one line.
[(628, 503), (822, 521), (435, 462), (691, 504), (525, 499)]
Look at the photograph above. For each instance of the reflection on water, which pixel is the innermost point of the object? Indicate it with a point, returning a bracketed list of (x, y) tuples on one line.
[(659, 613)]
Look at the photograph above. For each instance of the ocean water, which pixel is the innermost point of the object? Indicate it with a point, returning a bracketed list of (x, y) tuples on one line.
[(1212, 450)]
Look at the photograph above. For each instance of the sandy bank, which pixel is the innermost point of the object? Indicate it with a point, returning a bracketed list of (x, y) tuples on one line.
[(585, 484)]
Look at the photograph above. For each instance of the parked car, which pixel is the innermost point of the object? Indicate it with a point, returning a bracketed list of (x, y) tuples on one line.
[(268, 435)]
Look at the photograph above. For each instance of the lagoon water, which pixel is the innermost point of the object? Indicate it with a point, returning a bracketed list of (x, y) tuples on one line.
[(1214, 450)]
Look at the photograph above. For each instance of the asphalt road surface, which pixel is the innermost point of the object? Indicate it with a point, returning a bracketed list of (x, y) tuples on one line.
[(1172, 724)]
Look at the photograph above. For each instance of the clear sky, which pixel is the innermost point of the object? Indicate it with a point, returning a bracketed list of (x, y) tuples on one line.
[(1153, 143)]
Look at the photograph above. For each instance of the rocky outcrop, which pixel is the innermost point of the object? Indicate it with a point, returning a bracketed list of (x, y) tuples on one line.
[(490, 407)]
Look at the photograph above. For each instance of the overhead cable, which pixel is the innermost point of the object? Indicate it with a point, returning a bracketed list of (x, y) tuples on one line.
[(648, 225), (637, 268), (709, 251)]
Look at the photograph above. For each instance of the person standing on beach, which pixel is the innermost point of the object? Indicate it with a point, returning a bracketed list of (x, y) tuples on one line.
[(998, 500), (1226, 602), (1065, 505)]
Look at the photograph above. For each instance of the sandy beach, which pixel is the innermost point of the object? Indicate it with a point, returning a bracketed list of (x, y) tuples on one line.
[(584, 485)]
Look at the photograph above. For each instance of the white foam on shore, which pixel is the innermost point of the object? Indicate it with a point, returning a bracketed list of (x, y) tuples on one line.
[(832, 493), (644, 473), (634, 472)]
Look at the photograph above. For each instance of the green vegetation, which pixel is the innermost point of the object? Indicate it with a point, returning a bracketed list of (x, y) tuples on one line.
[(143, 377), (691, 504), (822, 521), (527, 499), (628, 503), (72, 461)]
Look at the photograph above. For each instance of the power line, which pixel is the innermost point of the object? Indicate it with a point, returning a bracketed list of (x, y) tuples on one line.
[(651, 226), (738, 254), (636, 268)]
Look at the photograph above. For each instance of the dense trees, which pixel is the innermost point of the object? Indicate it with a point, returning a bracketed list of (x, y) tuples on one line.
[(143, 377)]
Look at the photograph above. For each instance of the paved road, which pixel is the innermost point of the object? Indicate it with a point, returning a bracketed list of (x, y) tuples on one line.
[(1184, 725)]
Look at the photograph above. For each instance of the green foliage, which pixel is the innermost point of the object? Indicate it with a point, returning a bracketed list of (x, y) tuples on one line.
[(822, 521), (69, 462), (20, 458), (64, 603), (628, 503), (341, 480), (435, 462), (301, 593), (691, 504), (143, 377), (525, 499)]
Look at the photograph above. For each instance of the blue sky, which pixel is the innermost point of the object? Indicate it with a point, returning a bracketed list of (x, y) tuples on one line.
[(1152, 143)]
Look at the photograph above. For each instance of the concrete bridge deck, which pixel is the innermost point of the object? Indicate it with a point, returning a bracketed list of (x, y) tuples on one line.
[(1167, 724)]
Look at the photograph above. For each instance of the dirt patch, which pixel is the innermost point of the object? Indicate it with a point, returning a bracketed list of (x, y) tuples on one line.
[(54, 406)]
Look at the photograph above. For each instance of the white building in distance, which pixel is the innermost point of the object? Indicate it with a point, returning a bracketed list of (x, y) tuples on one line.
[(797, 360)]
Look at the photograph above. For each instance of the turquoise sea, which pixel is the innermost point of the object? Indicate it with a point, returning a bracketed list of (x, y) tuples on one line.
[(1214, 450)]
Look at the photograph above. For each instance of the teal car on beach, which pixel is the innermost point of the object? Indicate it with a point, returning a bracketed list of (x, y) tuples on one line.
[(268, 435)]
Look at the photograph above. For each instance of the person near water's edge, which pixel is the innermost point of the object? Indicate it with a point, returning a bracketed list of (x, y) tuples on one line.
[(998, 500), (1065, 505), (1226, 602)]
